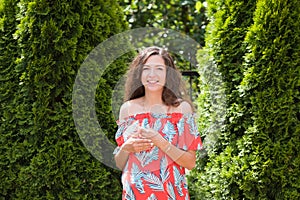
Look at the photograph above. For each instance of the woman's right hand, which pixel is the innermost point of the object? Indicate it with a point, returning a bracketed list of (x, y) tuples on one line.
[(136, 144), (133, 142)]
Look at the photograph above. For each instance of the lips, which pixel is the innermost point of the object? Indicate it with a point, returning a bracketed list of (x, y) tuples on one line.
[(152, 81)]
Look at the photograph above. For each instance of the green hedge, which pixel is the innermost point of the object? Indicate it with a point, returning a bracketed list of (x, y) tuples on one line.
[(42, 156), (272, 85), (256, 153), (9, 80)]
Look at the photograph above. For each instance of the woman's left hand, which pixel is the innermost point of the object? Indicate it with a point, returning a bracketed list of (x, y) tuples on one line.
[(147, 132)]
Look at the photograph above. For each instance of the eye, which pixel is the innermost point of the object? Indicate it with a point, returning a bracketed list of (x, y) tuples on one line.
[(145, 67), (159, 67)]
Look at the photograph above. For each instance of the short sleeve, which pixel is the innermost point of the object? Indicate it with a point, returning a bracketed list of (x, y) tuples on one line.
[(119, 134), (123, 125), (188, 133)]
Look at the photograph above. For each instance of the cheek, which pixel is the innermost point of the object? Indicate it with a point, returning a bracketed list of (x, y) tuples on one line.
[(143, 77), (163, 77)]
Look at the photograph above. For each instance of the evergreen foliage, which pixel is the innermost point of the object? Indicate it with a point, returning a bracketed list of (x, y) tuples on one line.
[(186, 16), (256, 153), (42, 157), (10, 152)]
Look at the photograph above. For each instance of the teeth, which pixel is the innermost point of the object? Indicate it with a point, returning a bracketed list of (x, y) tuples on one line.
[(152, 81)]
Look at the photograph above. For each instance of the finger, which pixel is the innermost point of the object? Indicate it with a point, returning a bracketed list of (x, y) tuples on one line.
[(143, 140), (144, 134), (147, 145), (143, 130), (146, 141), (135, 135), (143, 146), (140, 132), (140, 129), (137, 148)]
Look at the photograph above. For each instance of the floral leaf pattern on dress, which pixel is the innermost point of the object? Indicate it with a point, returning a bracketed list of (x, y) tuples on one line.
[(179, 178), (167, 180), (193, 128), (171, 192), (187, 197), (129, 193), (145, 123), (133, 127), (136, 178), (164, 173), (154, 182), (180, 126), (120, 130), (146, 157), (152, 197), (157, 125), (169, 131), (160, 115), (122, 125)]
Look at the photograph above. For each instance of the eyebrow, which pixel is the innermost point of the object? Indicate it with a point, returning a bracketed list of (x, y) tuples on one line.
[(154, 65)]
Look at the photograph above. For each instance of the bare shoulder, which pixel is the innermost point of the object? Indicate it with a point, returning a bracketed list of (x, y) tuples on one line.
[(124, 110), (129, 108), (184, 107)]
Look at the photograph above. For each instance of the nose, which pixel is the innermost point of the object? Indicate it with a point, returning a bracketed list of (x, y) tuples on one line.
[(152, 72)]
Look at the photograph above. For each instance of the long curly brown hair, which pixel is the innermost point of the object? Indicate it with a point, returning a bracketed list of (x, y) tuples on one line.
[(174, 91)]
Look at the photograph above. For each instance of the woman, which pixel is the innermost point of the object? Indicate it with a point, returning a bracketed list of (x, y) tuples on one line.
[(157, 136)]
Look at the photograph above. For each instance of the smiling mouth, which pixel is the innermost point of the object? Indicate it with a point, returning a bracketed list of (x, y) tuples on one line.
[(152, 81)]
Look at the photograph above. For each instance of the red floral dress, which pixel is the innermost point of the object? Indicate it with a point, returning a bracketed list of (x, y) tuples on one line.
[(152, 174)]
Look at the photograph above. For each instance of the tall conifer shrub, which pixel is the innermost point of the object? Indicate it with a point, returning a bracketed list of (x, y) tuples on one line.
[(219, 98), (46, 158), (257, 156), (10, 150)]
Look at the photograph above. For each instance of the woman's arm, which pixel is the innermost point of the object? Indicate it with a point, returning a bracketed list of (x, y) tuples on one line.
[(184, 158), (133, 144), (121, 158)]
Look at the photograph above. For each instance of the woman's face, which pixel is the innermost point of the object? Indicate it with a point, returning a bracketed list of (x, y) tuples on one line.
[(154, 73)]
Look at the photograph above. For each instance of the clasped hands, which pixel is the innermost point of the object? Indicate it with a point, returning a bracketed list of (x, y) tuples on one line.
[(139, 139)]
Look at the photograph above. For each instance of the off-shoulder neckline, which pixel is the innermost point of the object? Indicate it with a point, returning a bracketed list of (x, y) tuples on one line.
[(157, 115)]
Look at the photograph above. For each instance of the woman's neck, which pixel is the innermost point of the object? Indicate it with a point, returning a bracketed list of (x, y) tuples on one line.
[(153, 99), (153, 103)]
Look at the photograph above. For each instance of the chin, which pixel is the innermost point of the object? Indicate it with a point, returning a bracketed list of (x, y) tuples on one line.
[(154, 89)]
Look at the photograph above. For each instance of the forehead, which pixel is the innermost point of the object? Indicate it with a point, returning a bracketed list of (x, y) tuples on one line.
[(155, 60)]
